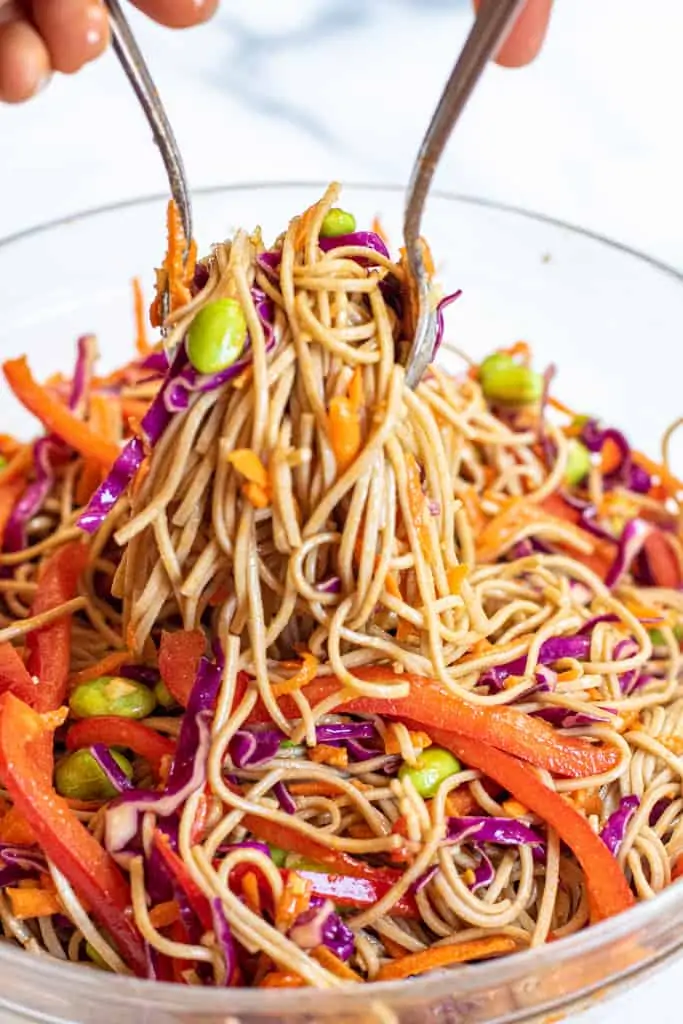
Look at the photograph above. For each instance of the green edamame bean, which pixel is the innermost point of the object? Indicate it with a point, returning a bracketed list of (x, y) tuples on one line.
[(337, 222), (112, 695), (164, 696), (277, 855), (80, 777), (578, 462), (505, 381), (433, 766), (657, 636), (216, 336)]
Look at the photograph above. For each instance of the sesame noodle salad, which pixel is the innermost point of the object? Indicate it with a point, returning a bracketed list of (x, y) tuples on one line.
[(308, 678)]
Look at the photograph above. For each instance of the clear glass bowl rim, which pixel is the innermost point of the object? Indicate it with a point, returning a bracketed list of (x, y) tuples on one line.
[(429, 990)]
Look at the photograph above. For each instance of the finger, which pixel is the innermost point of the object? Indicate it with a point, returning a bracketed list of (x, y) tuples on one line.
[(177, 13), (75, 31), (24, 61), (527, 34)]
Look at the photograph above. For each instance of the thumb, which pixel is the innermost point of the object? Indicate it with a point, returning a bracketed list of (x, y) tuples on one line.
[(527, 34)]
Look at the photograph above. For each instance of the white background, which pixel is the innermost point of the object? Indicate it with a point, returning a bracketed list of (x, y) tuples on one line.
[(319, 89)]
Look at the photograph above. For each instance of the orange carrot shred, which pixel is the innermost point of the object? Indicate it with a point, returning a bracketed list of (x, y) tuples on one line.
[(55, 416), (317, 788), (324, 753), (420, 740), (257, 496), (15, 829), (27, 903), (333, 964), (251, 892), (106, 666), (456, 577), (141, 340), (249, 465), (417, 503), (393, 948), (295, 900), (304, 674), (345, 431), (282, 979), (444, 956), (357, 389), (164, 914)]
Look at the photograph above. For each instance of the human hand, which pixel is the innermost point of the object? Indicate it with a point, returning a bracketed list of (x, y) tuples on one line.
[(527, 35), (38, 37)]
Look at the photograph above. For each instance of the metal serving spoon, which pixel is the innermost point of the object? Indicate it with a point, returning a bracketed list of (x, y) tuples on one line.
[(137, 72), (490, 27)]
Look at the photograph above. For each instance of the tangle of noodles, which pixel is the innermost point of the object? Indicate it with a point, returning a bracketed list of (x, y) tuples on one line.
[(372, 574)]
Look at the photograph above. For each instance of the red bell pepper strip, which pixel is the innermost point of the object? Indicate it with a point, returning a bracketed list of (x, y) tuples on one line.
[(14, 676), (347, 891), (608, 890), (84, 862), (49, 648), (662, 561), (121, 732), (179, 656), (430, 704), (195, 897), (293, 841)]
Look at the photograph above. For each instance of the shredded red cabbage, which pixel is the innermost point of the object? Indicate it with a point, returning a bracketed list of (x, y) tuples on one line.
[(224, 938), (424, 879), (501, 831), (565, 718), (484, 873), (45, 450), (440, 325), (252, 749), (358, 239), (320, 925), (188, 770), (30, 858), (627, 473), (111, 489), (658, 810), (614, 831), (631, 542), (284, 798), (115, 774), (85, 360), (551, 650), (140, 673), (332, 585)]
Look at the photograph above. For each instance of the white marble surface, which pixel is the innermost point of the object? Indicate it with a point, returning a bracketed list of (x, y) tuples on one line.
[(341, 88)]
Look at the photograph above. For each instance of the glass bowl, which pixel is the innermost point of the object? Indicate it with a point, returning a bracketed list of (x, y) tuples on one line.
[(607, 316)]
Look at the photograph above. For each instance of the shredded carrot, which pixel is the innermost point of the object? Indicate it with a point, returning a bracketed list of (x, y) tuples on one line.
[(420, 740), (417, 503), (317, 788), (333, 964), (282, 979), (393, 948), (179, 293), (15, 830), (456, 576), (515, 809), (133, 410), (304, 224), (257, 496), (392, 586), (345, 431), (652, 616), (378, 228), (587, 801), (404, 630), (295, 900), (17, 465), (250, 891), (470, 502), (250, 466), (610, 456), (306, 671), (28, 903), (520, 350), (357, 390), (444, 956), (142, 344), (460, 802), (500, 531), (57, 417), (561, 407), (569, 676), (105, 421), (106, 666), (324, 753), (164, 914)]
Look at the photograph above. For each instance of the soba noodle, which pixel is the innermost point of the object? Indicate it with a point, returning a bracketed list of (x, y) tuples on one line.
[(430, 551)]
